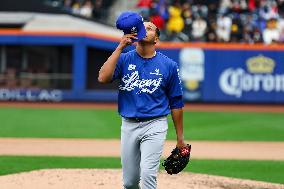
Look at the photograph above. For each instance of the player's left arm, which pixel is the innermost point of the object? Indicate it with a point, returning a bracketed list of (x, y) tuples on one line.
[(176, 103), (177, 116)]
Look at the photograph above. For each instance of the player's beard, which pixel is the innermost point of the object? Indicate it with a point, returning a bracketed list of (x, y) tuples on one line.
[(148, 40)]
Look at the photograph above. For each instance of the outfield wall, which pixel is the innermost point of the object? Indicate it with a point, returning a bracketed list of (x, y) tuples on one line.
[(210, 72)]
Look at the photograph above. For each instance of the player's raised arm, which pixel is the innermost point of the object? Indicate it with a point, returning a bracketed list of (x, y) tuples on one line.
[(107, 70)]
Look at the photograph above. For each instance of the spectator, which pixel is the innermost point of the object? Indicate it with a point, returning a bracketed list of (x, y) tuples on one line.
[(252, 5), (268, 10), (257, 37), (280, 23), (161, 6), (87, 9), (187, 17), (223, 31), (199, 27), (250, 22), (247, 35), (157, 19), (236, 30), (67, 4), (11, 78), (76, 8), (144, 4), (211, 34), (239, 6), (98, 10), (212, 7), (271, 34), (281, 36), (225, 7), (175, 23), (280, 4), (200, 10), (26, 81), (144, 7)]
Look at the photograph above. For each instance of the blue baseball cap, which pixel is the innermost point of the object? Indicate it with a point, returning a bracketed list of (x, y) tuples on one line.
[(131, 22)]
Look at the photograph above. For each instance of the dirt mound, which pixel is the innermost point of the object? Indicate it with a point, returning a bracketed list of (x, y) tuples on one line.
[(110, 179)]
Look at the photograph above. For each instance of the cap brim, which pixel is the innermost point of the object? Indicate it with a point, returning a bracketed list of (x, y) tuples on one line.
[(141, 33)]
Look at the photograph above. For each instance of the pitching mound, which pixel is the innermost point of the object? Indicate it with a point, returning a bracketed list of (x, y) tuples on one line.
[(110, 179)]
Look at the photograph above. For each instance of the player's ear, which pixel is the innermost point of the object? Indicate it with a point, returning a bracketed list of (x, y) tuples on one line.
[(156, 39)]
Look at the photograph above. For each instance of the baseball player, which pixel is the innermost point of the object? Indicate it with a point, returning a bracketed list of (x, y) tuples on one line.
[(149, 90)]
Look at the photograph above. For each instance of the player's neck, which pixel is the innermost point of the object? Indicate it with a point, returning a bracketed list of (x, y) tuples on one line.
[(146, 51)]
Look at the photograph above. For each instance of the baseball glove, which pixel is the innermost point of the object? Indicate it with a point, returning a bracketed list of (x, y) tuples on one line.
[(178, 160)]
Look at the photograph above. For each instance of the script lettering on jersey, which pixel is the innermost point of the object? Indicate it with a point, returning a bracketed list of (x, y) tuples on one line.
[(132, 81)]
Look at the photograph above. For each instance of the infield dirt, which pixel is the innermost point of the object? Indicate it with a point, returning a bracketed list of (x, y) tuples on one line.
[(111, 179)]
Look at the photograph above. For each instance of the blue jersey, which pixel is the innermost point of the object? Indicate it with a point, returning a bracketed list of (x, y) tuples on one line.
[(146, 85)]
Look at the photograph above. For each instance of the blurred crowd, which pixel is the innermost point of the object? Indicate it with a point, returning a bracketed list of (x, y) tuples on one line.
[(13, 78), (244, 21), (95, 9), (33, 78)]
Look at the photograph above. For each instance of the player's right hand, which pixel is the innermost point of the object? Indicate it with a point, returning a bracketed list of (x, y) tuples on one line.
[(127, 40)]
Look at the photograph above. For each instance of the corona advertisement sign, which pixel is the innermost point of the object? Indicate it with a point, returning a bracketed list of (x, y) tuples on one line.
[(257, 77), (248, 78)]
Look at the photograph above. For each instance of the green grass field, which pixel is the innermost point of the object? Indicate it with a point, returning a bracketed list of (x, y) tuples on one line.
[(270, 171), (105, 124), (58, 123)]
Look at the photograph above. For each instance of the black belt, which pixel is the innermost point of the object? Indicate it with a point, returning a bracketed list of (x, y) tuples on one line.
[(142, 119)]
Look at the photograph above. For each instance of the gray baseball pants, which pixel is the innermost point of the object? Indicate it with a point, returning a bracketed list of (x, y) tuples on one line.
[(141, 148)]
